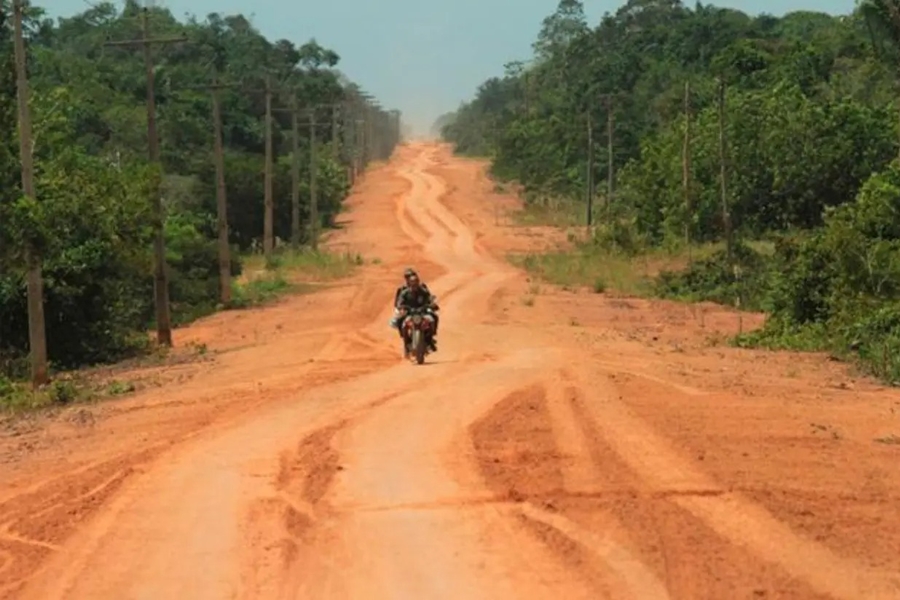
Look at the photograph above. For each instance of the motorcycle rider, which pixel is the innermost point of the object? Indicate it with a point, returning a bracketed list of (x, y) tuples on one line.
[(416, 295), (409, 272), (396, 317)]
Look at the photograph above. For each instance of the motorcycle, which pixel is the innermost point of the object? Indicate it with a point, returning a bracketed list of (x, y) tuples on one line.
[(418, 326)]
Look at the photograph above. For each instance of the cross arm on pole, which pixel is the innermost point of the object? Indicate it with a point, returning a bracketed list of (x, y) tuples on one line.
[(212, 86), (147, 41)]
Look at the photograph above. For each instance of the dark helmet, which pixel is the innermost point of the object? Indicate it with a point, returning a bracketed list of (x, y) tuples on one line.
[(410, 272)]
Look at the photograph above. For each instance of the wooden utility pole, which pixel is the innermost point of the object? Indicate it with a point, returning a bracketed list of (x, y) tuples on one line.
[(686, 165), (526, 94), (221, 200), (610, 173), (348, 135), (313, 177), (590, 171), (369, 137), (269, 216), (360, 145), (295, 173), (372, 154), (898, 122), (221, 193), (294, 111), (37, 335), (161, 277), (726, 215), (335, 149)]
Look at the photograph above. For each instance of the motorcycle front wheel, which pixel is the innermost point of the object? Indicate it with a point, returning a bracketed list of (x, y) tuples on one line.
[(418, 344)]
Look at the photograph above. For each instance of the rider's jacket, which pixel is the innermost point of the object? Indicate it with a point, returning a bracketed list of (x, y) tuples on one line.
[(414, 298), (404, 288)]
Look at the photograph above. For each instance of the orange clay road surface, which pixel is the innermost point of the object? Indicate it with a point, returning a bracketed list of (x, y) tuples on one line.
[(560, 445)]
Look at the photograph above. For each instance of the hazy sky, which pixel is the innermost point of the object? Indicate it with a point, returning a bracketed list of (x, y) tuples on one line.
[(421, 56)]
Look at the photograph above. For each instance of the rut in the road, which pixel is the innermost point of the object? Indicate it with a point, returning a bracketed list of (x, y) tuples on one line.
[(651, 539), (33, 521)]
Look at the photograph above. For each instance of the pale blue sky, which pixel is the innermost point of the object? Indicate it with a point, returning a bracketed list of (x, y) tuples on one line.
[(421, 56)]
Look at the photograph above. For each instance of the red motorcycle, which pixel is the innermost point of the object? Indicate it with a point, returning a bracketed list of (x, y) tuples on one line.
[(418, 327)]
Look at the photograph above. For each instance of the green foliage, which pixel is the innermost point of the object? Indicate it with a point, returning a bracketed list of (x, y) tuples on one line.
[(588, 265), (92, 226), (316, 265), (741, 281), (306, 264), (839, 288), (808, 114), (192, 255), (91, 221), (16, 396), (258, 290), (289, 270), (63, 392), (810, 130)]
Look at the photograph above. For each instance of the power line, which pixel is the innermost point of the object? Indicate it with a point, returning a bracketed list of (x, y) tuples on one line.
[(160, 279)]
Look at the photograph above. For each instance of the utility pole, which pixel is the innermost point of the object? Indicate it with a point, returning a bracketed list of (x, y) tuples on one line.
[(37, 335), (526, 94), (269, 217), (726, 216), (360, 147), (365, 145), (349, 135), (295, 173), (313, 176), (335, 150), (221, 193), (610, 174), (294, 111), (221, 200), (686, 165), (372, 140), (590, 171), (160, 277)]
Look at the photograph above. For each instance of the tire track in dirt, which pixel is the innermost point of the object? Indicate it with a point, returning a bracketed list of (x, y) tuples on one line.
[(692, 558), (464, 264), (651, 491), (558, 396), (286, 523), (409, 224), (35, 521), (452, 220), (730, 515), (618, 368), (520, 459), (616, 571), (413, 487), (201, 517), (819, 494)]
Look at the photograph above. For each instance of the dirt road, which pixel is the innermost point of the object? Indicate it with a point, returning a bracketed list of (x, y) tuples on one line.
[(559, 445)]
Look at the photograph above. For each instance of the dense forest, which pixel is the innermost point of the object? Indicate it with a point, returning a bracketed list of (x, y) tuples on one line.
[(92, 220), (775, 136)]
